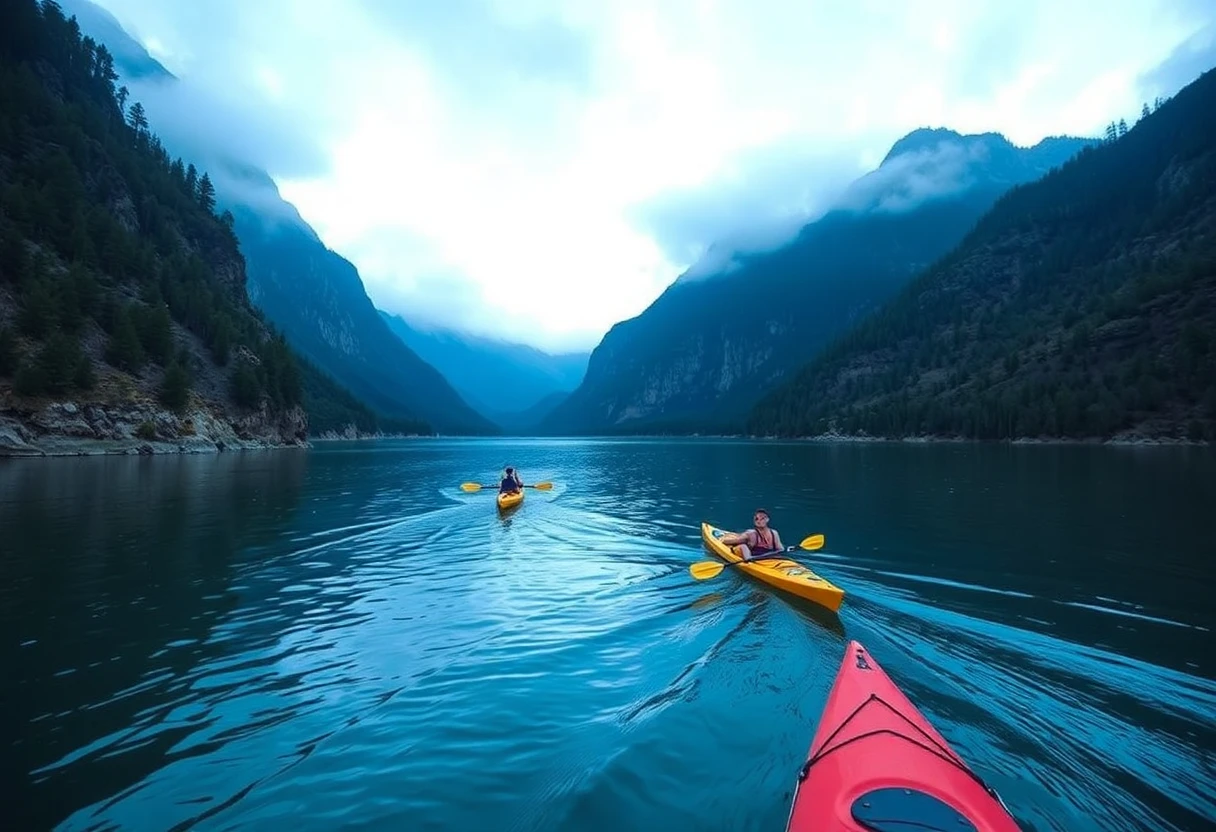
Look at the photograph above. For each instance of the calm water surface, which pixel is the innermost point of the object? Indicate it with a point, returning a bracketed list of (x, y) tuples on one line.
[(341, 637)]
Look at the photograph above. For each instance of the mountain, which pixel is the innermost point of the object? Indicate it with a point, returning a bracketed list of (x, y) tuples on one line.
[(527, 421), (499, 378), (317, 298), (1082, 305), (312, 294), (710, 346), (123, 313)]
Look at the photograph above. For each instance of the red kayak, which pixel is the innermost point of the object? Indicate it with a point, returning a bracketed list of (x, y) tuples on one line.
[(877, 765)]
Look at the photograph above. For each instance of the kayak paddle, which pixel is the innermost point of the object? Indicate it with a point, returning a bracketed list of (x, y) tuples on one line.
[(704, 569), (472, 486)]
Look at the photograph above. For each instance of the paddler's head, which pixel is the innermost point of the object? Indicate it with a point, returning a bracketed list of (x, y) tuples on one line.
[(760, 518)]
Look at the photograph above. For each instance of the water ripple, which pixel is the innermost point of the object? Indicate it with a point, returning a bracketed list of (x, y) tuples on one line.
[(329, 640)]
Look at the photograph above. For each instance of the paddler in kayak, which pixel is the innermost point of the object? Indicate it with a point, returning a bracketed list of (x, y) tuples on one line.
[(760, 540), (511, 483)]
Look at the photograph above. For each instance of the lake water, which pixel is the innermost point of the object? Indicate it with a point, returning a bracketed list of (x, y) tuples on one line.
[(341, 637)]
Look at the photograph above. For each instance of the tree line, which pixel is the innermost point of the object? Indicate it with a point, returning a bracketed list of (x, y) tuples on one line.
[(99, 225)]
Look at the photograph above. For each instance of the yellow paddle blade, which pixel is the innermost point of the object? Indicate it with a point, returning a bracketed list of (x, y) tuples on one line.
[(544, 486), (812, 543), (706, 569), (470, 486)]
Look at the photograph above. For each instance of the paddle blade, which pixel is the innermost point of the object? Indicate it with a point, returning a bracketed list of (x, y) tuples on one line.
[(544, 486), (812, 543), (470, 486), (706, 569)]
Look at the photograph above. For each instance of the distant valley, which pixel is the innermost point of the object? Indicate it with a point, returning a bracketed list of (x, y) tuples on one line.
[(514, 385), (964, 288)]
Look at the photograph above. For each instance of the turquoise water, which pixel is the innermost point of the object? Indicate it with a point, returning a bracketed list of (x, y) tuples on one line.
[(341, 637)]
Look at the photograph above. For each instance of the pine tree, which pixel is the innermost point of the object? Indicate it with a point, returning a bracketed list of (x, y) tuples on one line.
[(39, 314), (155, 332), (246, 391), (124, 350), (206, 193), (175, 387), (57, 362), (138, 119)]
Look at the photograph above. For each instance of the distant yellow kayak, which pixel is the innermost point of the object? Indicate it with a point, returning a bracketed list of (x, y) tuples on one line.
[(782, 573), (506, 501)]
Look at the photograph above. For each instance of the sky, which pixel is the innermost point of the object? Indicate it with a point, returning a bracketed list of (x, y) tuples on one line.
[(541, 169)]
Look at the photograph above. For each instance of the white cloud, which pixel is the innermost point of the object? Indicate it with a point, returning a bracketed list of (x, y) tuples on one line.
[(541, 170)]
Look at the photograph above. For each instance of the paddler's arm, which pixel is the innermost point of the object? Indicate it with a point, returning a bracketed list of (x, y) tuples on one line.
[(777, 540), (736, 539)]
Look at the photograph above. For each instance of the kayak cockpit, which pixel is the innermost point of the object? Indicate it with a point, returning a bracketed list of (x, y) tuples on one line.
[(900, 809)]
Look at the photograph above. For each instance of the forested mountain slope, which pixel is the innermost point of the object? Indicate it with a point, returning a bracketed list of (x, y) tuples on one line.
[(1082, 305), (709, 347), (123, 313), (313, 294)]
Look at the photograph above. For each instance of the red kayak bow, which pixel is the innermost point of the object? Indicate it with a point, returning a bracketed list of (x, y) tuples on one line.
[(877, 765)]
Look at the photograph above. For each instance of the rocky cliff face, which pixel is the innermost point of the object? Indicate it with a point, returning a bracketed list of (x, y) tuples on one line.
[(88, 428), (312, 294), (124, 322), (1082, 306), (708, 348), (318, 299)]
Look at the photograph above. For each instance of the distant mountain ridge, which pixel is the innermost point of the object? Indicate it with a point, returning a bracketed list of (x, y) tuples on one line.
[(311, 293), (503, 380), (1083, 305), (708, 348)]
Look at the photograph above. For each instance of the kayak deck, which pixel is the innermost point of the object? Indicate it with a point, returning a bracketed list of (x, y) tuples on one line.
[(783, 573), (506, 501), (877, 764)]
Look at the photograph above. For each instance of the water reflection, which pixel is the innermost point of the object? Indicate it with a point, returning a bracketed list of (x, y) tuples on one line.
[(342, 638), (115, 572)]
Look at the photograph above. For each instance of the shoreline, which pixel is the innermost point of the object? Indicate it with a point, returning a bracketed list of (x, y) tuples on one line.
[(61, 445), (1120, 441), (49, 447), (64, 429), (848, 439)]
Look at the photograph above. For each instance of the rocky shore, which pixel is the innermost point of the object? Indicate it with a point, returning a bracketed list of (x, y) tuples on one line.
[(71, 429)]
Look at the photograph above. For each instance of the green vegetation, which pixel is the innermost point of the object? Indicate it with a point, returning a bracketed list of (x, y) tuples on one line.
[(120, 236), (106, 242), (331, 408), (1082, 305), (709, 348)]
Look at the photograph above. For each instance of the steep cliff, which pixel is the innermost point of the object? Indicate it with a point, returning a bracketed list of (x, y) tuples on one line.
[(123, 317), (710, 346), (313, 294), (1081, 306)]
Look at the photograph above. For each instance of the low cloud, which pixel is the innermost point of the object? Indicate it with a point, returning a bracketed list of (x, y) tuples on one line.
[(758, 203), (564, 161), (193, 121), (1191, 59), (910, 179)]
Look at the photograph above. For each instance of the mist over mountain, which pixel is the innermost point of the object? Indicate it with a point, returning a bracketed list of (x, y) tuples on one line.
[(507, 382), (311, 293), (716, 340), (1083, 305)]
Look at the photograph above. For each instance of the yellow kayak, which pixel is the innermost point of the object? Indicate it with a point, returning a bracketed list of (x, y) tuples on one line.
[(506, 501), (782, 573)]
